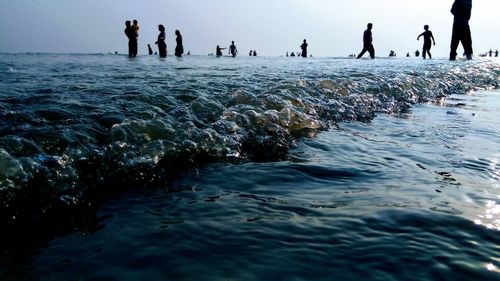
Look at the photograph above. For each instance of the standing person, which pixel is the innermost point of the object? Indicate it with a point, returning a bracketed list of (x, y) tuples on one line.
[(254, 53), (150, 51), (132, 39), (427, 41), (179, 49), (303, 47), (461, 11), (496, 54), (368, 42), (162, 46), (232, 49), (135, 28)]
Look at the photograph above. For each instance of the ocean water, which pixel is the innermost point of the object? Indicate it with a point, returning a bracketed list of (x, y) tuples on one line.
[(206, 168)]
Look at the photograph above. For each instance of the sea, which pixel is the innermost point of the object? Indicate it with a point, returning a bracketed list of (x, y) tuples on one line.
[(248, 168)]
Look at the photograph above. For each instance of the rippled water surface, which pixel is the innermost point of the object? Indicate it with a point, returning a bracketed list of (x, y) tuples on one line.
[(248, 168)]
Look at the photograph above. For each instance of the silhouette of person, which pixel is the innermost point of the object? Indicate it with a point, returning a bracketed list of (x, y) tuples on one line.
[(218, 51), (250, 54), (407, 55), (179, 49), (496, 54), (150, 51), (287, 54), (132, 39), (292, 54), (417, 53), (254, 53), (461, 11), (162, 46), (232, 49), (368, 42), (135, 28), (303, 47), (491, 53), (427, 41)]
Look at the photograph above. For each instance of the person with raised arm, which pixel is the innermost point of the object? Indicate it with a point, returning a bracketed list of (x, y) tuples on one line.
[(428, 40)]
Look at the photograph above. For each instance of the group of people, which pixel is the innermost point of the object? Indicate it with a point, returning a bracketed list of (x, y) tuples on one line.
[(132, 33), (490, 53), (302, 53), (233, 51), (461, 10)]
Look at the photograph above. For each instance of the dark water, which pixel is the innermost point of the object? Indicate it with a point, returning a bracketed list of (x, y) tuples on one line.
[(249, 169)]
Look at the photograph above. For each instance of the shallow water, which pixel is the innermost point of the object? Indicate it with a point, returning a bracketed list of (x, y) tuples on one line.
[(286, 173)]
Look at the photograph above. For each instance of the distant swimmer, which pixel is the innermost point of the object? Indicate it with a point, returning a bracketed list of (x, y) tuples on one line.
[(135, 28), (496, 54), (417, 53), (368, 42), (461, 11), (150, 51), (292, 54), (132, 39), (286, 54), (162, 46), (232, 50), (250, 54), (407, 55), (392, 54), (179, 49), (254, 53), (427, 41), (218, 51), (303, 47)]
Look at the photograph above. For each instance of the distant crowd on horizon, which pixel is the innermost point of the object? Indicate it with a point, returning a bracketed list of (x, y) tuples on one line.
[(461, 10)]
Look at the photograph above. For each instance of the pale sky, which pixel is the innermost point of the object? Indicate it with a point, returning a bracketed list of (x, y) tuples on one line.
[(272, 27)]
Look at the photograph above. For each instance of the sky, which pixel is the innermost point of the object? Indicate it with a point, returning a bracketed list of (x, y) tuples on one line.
[(272, 27)]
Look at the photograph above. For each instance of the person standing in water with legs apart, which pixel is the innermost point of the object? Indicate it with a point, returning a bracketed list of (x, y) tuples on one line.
[(461, 11), (427, 41), (368, 42)]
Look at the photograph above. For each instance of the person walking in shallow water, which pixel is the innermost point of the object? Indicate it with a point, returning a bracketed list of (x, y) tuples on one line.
[(162, 46), (368, 42), (461, 11), (303, 47), (132, 39), (179, 49), (232, 49), (427, 41)]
